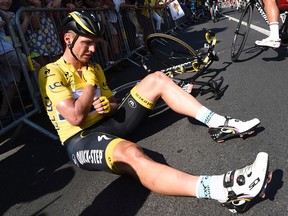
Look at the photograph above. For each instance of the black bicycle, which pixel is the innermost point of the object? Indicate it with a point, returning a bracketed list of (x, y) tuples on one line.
[(243, 27), (183, 65)]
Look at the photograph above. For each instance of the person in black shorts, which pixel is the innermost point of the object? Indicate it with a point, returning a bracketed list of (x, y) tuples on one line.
[(93, 127)]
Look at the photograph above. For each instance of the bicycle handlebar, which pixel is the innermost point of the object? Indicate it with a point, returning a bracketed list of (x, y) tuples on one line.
[(210, 37), (211, 40)]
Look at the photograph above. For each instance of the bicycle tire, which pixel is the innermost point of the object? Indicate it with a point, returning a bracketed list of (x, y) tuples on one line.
[(122, 91), (241, 33), (169, 50)]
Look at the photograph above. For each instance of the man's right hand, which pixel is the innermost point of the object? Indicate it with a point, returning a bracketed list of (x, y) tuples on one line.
[(90, 78)]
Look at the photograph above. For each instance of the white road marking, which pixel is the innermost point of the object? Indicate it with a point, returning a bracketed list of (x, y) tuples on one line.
[(256, 28)]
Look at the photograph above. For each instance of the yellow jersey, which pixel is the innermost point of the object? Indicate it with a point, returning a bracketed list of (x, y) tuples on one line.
[(60, 80)]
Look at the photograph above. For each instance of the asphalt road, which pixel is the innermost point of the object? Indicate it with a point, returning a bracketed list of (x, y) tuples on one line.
[(36, 177)]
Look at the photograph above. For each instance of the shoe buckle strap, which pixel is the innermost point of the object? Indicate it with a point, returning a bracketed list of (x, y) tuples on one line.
[(227, 118), (228, 180), (232, 195)]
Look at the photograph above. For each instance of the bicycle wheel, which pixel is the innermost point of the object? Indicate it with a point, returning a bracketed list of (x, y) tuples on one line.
[(122, 91), (169, 50), (241, 33)]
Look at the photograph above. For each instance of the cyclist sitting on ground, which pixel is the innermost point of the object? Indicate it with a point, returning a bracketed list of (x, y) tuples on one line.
[(272, 12), (92, 127)]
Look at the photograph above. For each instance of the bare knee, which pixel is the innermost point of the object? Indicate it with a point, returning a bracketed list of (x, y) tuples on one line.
[(126, 157), (157, 77), (155, 81)]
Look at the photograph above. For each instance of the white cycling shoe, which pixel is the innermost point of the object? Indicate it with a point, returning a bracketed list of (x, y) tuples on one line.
[(269, 42), (232, 128), (243, 185)]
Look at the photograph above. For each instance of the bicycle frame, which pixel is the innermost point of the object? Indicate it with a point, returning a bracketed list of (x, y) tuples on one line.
[(194, 66), (259, 8), (198, 61)]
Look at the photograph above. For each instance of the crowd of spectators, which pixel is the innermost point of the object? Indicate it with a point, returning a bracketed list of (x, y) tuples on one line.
[(43, 34), (10, 67)]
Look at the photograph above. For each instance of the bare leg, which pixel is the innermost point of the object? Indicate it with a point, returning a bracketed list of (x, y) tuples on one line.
[(159, 85), (273, 12), (159, 178)]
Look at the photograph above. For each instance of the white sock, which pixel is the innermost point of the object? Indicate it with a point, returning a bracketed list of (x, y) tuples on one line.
[(217, 191), (274, 30), (209, 118), (211, 187)]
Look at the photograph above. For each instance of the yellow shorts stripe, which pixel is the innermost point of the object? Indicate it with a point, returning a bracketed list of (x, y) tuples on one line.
[(141, 100), (109, 154)]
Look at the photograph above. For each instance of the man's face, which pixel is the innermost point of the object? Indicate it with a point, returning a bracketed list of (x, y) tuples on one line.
[(5, 4), (84, 47)]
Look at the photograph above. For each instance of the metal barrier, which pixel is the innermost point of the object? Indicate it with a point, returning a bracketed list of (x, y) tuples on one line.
[(22, 101), (115, 46)]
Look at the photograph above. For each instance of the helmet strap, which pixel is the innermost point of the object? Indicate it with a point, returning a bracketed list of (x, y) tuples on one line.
[(70, 46)]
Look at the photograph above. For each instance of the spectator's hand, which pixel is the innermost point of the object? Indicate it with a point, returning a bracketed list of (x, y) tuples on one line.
[(101, 105), (10, 15), (70, 6), (90, 77)]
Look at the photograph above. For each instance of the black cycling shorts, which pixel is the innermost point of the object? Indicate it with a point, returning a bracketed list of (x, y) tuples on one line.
[(92, 148)]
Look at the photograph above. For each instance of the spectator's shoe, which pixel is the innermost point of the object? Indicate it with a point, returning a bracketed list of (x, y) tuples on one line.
[(232, 128), (269, 42), (243, 185)]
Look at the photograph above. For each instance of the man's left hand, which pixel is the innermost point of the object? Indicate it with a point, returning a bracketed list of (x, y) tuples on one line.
[(101, 105)]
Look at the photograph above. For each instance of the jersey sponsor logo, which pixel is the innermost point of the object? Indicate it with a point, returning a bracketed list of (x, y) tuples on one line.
[(100, 138), (132, 103), (55, 86), (48, 104), (94, 156), (148, 103), (75, 160), (55, 123), (48, 73), (67, 75)]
